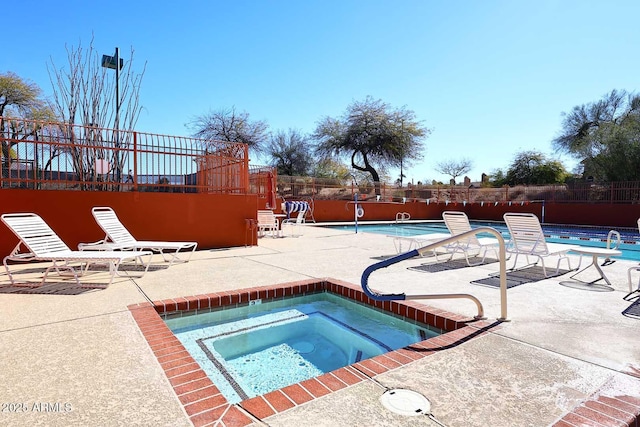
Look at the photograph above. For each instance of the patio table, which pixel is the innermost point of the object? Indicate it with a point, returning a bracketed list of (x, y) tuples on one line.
[(595, 254)]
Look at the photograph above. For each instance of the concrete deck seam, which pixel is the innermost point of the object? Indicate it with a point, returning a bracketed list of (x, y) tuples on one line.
[(65, 321), (496, 332), (142, 292), (370, 378), (284, 269), (250, 415)]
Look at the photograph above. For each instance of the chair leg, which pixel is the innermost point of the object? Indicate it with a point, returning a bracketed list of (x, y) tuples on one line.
[(6, 267), (628, 296)]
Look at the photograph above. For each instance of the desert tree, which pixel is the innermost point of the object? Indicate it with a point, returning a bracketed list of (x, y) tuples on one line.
[(454, 168), (605, 136), (20, 99), (534, 168), (24, 114), (373, 135), (290, 153), (330, 168), (84, 94), (229, 125)]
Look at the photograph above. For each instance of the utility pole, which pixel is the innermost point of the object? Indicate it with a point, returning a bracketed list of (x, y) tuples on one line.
[(114, 62)]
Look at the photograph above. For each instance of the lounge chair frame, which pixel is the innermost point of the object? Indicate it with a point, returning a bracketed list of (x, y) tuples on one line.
[(294, 223), (527, 238), (118, 238), (633, 293), (43, 244), (418, 241), (458, 223)]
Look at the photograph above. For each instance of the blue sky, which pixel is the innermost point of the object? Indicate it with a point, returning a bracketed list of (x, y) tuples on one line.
[(490, 78)]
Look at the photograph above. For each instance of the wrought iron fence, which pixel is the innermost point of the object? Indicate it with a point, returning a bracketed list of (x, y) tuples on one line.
[(53, 155), (297, 187), (50, 155)]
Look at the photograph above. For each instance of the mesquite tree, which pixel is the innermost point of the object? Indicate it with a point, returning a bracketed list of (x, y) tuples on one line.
[(229, 125), (373, 135), (454, 168)]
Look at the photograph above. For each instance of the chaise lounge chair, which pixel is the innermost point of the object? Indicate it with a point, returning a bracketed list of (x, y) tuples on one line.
[(290, 207), (118, 238), (527, 238), (632, 293), (43, 244), (417, 241), (458, 223)]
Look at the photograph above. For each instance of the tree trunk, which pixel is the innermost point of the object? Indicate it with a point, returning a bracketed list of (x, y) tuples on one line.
[(367, 168)]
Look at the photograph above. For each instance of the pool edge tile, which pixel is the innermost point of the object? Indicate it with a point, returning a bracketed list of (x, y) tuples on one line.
[(198, 392)]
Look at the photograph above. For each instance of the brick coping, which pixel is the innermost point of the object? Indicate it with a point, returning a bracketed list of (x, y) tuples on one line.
[(205, 405)]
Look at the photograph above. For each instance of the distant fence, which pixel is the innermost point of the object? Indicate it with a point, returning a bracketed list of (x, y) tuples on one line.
[(297, 187), (60, 156)]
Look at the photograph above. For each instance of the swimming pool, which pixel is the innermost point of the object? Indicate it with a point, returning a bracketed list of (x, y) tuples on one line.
[(254, 349), (205, 404), (580, 235)]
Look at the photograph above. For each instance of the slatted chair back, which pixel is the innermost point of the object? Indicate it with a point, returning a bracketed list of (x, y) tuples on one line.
[(34, 233), (526, 233), (458, 223), (111, 225)]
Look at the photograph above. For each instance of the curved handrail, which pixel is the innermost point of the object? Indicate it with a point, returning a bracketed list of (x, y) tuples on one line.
[(403, 216), (611, 234), (426, 249)]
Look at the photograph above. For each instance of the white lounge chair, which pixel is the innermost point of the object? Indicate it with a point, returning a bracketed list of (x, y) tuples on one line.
[(43, 244), (527, 238), (417, 241), (635, 268), (458, 223), (118, 238), (294, 223), (267, 222)]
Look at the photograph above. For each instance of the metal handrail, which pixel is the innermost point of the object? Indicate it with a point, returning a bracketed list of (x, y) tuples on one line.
[(426, 249), (403, 216)]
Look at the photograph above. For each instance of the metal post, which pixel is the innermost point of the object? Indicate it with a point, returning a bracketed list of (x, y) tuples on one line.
[(135, 161), (402, 154), (355, 219), (117, 121)]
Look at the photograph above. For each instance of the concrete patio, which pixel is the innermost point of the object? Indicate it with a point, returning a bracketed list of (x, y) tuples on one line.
[(75, 357)]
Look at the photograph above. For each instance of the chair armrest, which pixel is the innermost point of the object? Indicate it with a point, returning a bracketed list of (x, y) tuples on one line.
[(100, 245)]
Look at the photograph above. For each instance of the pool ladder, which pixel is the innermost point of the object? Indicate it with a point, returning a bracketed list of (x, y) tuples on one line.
[(424, 251), (403, 216)]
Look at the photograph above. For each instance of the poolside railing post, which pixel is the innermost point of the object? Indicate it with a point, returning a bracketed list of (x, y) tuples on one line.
[(355, 210), (135, 161)]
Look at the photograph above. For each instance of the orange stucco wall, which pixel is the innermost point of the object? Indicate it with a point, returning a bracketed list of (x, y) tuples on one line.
[(605, 215), (220, 220), (213, 220)]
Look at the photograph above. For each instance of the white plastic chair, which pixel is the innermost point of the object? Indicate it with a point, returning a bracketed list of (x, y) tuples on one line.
[(118, 238), (43, 244), (267, 222), (636, 268), (458, 223), (527, 238), (295, 223)]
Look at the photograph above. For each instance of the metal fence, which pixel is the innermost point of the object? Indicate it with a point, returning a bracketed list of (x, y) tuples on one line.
[(49, 155), (298, 187)]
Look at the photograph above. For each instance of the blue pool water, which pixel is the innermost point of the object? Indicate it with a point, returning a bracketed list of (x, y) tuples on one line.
[(252, 350), (584, 236)]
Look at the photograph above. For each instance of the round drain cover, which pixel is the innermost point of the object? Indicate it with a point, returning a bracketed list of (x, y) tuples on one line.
[(304, 347), (405, 402)]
